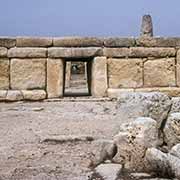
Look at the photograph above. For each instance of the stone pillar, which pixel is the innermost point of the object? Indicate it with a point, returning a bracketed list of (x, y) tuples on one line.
[(68, 74), (55, 74), (99, 83), (147, 26)]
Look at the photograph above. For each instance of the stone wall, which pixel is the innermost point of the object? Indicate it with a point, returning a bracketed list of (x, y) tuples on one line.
[(33, 68)]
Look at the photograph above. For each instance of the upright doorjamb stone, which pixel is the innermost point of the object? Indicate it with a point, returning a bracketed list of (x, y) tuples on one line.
[(99, 83), (55, 76)]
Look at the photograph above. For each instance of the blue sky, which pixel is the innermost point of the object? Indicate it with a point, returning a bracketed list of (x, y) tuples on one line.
[(87, 17)]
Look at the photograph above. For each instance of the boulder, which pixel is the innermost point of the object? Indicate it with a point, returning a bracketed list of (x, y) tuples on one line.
[(133, 140), (109, 171), (172, 130), (175, 105), (175, 151), (102, 150), (155, 105), (165, 165)]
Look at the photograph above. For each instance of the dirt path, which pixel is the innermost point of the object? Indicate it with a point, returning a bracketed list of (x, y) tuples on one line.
[(24, 125)]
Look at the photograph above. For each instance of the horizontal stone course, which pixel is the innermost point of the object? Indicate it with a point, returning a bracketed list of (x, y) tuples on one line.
[(3, 52), (34, 95), (77, 42), (27, 52), (142, 52), (119, 42), (74, 52), (3, 94), (158, 42), (33, 42), (7, 42), (14, 95)]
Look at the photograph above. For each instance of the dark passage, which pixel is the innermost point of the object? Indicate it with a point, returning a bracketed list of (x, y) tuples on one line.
[(77, 77)]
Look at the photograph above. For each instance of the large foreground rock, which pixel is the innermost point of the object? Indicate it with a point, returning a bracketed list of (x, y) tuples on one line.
[(163, 164), (155, 105), (172, 130), (134, 139), (109, 171)]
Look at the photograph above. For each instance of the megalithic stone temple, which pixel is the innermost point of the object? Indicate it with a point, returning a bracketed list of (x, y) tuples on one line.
[(32, 68)]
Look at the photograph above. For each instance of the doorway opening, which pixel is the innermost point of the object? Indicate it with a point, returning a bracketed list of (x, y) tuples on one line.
[(77, 77)]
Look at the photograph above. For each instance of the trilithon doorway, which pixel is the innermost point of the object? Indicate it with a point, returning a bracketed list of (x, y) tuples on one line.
[(77, 77)]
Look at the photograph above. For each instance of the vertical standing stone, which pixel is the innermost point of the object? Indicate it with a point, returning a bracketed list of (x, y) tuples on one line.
[(4, 74), (147, 26), (99, 77), (68, 74), (55, 76)]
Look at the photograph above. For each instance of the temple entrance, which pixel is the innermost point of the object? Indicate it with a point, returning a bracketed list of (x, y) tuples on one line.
[(77, 77)]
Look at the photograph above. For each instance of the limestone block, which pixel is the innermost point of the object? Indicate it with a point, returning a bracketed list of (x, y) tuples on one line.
[(14, 95), (77, 42), (115, 93), (27, 52), (170, 91), (116, 52), (99, 77), (119, 42), (3, 52), (55, 72), (34, 95), (33, 42), (125, 73), (133, 140), (4, 74), (28, 74), (74, 52), (3, 94), (178, 68), (143, 52), (172, 129), (159, 72), (158, 42), (68, 74), (7, 42)]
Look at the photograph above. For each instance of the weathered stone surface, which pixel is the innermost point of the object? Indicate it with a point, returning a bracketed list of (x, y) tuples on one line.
[(158, 162), (3, 94), (142, 52), (28, 74), (7, 42), (3, 52), (155, 105), (159, 73), (175, 108), (133, 140), (163, 164), (158, 42), (27, 52), (109, 171), (175, 151), (116, 52), (74, 52), (78, 42), (68, 74), (125, 73), (170, 91), (172, 130), (99, 77), (34, 95), (103, 150), (119, 42), (33, 42), (147, 26), (4, 74), (114, 93), (55, 78), (178, 68), (14, 95)]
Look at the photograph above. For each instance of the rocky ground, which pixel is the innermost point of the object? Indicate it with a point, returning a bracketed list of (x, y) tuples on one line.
[(55, 140)]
